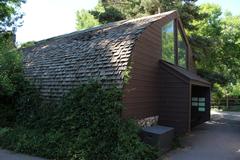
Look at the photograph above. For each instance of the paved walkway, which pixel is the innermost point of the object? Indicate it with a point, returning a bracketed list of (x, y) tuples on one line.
[(218, 139), (8, 155)]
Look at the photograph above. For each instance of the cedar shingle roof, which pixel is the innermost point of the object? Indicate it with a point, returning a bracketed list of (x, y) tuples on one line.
[(58, 64)]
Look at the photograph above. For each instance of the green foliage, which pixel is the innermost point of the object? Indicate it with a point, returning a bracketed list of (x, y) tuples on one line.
[(85, 125), (235, 89), (27, 104), (219, 92), (100, 15), (230, 36), (110, 14), (28, 44), (222, 92), (85, 20), (15, 90), (10, 67), (10, 14), (232, 90), (215, 43), (111, 10), (53, 145), (206, 40), (11, 79), (126, 74), (128, 8)]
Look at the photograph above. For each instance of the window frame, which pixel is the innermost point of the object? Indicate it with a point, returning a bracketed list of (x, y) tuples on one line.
[(174, 47), (177, 28)]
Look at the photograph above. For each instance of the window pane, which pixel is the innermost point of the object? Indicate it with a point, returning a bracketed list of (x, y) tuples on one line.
[(182, 51), (168, 42)]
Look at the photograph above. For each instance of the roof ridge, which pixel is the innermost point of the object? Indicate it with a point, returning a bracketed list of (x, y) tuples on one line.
[(152, 16), (104, 26)]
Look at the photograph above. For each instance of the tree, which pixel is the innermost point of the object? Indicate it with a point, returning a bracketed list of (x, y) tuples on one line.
[(11, 72), (11, 79), (85, 20), (205, 38), (112, 10), (109, 14), (10, 67), (10, 14), (215, 42), (230, 36)]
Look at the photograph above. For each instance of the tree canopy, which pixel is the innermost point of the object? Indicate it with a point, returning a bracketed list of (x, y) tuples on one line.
[(10, 14), (216, 43), (86, 20), (112, 10)]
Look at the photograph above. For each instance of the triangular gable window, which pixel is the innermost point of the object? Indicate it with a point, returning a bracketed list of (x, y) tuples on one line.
[(174, 46), (168, 42), (182, 51)]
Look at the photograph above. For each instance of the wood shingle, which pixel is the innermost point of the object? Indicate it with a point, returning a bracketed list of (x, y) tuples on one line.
[(59, 64)]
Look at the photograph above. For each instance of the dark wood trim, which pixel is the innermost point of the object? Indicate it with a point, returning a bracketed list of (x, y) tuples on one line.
[(173, 72), (160, 55), (182, 29), (176, 41), (184, 36), (190, 108), (200, 83)]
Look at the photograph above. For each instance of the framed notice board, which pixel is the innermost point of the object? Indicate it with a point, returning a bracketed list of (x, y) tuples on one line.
[(199, 103)]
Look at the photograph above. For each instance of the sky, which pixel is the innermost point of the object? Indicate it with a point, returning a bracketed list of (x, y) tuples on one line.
[(227, 5), (48, 18)]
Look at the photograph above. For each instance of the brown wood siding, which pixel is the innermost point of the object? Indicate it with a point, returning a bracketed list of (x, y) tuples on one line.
[(152, 90)]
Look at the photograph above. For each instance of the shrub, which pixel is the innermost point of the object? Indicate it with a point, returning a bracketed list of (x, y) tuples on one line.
[(15, 91), (11, 78), (85, 125)]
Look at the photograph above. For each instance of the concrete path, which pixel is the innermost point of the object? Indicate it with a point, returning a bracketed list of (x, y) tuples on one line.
[(218, 139), (8, 155)]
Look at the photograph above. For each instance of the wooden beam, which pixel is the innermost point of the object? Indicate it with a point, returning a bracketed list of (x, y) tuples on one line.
[(176, 41)]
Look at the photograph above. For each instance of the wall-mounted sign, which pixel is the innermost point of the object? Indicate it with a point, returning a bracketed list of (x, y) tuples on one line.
[(199, 102)]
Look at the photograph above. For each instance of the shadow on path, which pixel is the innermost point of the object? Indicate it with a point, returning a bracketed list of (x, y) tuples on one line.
[(218, 139), (8, 155)]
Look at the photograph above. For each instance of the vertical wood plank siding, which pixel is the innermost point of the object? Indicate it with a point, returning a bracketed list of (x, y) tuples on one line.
[(151, 90)]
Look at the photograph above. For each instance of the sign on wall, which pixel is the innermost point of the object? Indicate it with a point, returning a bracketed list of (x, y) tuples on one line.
[(200, 103)]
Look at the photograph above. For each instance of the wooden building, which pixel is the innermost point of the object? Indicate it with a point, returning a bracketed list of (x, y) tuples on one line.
[(153, 52)]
